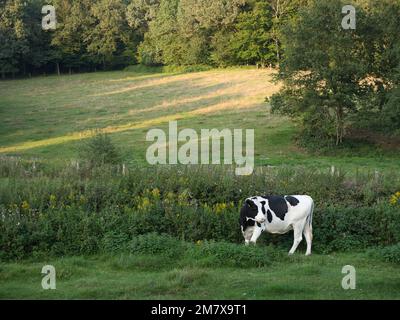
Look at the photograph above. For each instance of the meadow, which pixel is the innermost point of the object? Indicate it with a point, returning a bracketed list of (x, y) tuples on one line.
[(46, 118), (135, 276), (172, 232)]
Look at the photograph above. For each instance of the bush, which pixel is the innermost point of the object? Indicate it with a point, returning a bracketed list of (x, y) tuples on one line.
[(155, 244), (140, 68), (99, 150), (390, 253), (186, 69)]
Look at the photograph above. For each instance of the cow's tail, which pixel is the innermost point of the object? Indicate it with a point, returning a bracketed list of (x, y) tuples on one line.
[(310, 216)]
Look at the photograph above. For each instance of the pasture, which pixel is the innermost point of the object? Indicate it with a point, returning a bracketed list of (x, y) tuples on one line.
[(91, 223), (45, 118)]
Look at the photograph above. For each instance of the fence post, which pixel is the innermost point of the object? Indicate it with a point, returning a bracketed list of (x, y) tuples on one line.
[(376, 175)]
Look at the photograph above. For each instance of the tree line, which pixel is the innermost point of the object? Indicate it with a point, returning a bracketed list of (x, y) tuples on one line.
[(109, 34)]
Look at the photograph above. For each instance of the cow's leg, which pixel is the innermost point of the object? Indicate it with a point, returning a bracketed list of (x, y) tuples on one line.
[(309, 236), (256, 234), (297, 231), (247, 234)]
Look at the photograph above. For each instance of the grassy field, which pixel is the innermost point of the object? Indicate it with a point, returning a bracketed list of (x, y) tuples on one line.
[(128, 276), (46, 117)]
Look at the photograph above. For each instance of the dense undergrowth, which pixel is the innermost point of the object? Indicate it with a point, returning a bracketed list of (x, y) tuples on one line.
[(49, 210)]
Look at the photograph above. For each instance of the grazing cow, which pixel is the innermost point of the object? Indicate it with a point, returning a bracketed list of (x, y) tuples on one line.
[(278, 214)]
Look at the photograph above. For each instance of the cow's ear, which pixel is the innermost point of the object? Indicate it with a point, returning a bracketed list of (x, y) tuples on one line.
[(250, 203)]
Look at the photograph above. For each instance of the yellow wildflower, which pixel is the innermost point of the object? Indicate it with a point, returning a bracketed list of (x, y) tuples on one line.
[(25, 205), (219, 207), (144, 203), (395, 199), (155, 192)]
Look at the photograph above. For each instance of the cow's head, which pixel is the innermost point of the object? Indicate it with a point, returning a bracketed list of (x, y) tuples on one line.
[(256, 209)]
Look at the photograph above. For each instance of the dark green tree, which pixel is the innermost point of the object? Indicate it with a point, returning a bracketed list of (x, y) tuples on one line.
[(324, 69), (13, 36), (74, 21), (110, 36), (251, 42)]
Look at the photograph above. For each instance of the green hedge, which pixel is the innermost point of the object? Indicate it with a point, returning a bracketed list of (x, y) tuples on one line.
[(76, 231), (69, 211)]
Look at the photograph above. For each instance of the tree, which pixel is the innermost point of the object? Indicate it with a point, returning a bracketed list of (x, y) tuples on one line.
[(379, 110), (73, 23), (324, 70), (110, 34), (189, 31), (251, 40), (162, 44), (13, 36), (40, 54), (282, 12), (140, 13)]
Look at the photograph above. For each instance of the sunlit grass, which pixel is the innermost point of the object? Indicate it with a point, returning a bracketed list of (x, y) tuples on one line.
[(46, 117)]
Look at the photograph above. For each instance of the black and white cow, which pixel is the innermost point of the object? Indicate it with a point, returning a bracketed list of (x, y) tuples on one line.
[(278, 214)]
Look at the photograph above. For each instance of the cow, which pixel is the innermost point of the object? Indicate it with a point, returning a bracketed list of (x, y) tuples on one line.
[(278, 215)]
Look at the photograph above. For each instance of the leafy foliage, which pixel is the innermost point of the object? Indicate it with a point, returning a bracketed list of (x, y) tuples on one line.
[(331, 76), (389, 253), (87, 210), (99, 150)]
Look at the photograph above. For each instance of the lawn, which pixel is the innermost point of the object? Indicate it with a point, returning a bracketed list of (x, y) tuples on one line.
[(127, 276), (46, 117)]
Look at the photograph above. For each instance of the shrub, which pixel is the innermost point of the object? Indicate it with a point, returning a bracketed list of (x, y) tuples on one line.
[(186, 69), (150, 68), (156, 244), (99, 150), (390, 253), (140, 68)]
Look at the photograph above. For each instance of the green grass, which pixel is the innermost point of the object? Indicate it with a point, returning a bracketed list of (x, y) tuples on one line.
[(45, 117), (127, 276)]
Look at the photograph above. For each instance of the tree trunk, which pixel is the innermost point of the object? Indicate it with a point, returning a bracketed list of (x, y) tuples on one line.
[(58, 68), (339, 125), (278, 56), (69, 70)]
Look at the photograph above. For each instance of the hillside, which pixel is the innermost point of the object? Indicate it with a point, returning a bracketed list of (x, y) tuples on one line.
[(46, 117)]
